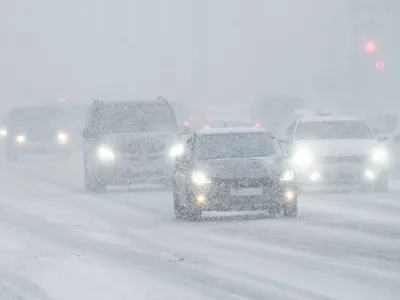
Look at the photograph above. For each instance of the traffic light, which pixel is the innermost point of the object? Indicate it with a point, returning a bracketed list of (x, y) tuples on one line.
[(370, 47)]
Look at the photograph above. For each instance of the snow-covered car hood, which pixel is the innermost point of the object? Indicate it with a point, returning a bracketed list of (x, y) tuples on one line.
[(231, 168), (338, 147), (141, 142)]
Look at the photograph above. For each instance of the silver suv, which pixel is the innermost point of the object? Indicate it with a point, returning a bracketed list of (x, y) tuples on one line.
[(129, 142)]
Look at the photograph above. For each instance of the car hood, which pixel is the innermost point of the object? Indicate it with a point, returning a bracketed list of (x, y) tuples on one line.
[(232, 168), (141, 142), (339, 147)]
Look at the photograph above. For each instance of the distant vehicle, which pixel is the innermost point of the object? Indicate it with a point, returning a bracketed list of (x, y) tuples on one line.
[(74, 117), (129, 142), (275, 111), (36, 130), (232, 169), (330, 150), (182, 114), (224, 118)]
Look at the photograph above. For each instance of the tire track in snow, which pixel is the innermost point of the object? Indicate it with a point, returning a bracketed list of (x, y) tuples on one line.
[(191, 275)]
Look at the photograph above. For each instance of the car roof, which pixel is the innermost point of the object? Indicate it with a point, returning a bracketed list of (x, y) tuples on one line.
[(106, 102), (328, 118), (228, 130)]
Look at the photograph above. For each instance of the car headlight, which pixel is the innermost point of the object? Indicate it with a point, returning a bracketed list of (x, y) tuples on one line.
[(20, 139), (176, 150), (200, 178), (302, 157), (288, 175), (105, 153), (3, 132), (62, 138), (379, 155)]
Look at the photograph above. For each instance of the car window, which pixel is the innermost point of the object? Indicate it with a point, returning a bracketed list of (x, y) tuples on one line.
[(136, 117), (320, 130), (236, 145)]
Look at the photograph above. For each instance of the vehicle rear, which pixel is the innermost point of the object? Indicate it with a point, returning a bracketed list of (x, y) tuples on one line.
[(36, 130)]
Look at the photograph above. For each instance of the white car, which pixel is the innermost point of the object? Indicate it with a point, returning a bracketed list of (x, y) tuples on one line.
[(330, 150)]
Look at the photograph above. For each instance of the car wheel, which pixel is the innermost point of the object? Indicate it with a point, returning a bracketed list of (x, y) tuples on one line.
[(93, 183), (192, 211), (290, 209), (178, 209)]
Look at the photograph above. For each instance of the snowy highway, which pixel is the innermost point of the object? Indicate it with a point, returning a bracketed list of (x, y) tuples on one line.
[(58, 242)]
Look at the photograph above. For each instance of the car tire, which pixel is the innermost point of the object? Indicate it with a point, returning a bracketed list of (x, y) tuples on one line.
[(93, 183), (290, 209), (178, 209), (193, 213)]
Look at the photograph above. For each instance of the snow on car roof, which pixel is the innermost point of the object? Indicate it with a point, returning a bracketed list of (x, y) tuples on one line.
[(227, 130), (328, 118)]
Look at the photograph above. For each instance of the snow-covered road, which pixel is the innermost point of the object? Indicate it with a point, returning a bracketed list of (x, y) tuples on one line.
[(58, 242)]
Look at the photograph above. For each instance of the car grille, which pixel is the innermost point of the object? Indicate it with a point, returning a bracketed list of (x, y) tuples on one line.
[(342, 159), (244, 182), (144, 147)]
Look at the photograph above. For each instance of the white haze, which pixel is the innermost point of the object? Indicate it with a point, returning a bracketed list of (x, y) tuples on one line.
[(188, 50)]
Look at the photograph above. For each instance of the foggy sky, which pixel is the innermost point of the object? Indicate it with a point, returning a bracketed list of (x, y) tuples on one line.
[(188, 50)]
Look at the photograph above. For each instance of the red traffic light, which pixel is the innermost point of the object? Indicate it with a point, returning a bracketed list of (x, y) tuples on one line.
[(370, 46), (380, 64)]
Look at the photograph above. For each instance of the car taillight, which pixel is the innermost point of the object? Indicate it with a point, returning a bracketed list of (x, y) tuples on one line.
[(257, 124), (206, 127)]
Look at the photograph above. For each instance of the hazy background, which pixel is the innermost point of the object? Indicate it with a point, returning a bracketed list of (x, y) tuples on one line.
[(198, 50)]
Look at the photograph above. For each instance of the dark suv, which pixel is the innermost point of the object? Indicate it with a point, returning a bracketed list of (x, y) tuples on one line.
[(37, 130), (129, 142), (232, 169)]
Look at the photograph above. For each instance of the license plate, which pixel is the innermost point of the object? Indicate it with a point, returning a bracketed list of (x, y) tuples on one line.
[(247, 191)]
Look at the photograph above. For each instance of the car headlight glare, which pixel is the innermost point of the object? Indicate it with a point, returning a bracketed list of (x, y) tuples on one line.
[(302, 157), (379, 155), (105, 153), (288, 175), (3, 132), (176, 150), (200, 178), (20, 138), (62, 137)]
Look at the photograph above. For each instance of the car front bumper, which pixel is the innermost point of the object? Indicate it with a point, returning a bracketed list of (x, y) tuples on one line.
[(124, 171), (231, 196), (340, 174)]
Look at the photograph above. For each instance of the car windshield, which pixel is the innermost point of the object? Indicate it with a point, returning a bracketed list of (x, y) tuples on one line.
[(236, 145), (325, 130), (137, 117), (27, 117)]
